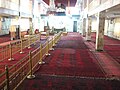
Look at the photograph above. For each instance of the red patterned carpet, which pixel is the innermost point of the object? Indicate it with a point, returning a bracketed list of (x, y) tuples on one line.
[(71, 66), (4, 38), (111, 47), (71, 55), (52, 82)]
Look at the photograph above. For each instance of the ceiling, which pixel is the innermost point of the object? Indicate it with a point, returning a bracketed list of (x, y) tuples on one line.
[(64, 2), (113, 12)]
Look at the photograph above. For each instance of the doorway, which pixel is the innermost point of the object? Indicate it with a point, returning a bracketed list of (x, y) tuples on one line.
[(75, 26), (18, 32)]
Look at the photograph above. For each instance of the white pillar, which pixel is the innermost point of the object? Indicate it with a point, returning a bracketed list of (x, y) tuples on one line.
[(88, 29), (100, 31), (84, 27)]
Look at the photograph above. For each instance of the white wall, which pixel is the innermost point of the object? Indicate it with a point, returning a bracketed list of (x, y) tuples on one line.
[(117, 28), (69, 24)]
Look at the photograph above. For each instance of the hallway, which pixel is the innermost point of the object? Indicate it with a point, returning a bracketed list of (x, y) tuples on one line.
[(75, 65)]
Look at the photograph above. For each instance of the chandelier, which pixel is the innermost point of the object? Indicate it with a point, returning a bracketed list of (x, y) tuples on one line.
[(52, 8)]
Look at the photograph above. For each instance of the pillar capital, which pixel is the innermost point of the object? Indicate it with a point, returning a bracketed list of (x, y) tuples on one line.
[(100, 14)]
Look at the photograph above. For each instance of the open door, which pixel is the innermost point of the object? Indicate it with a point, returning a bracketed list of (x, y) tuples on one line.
[(18, 32), (75, 26)]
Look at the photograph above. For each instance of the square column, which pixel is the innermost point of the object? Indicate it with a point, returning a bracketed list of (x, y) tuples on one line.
[(84, 27), (88, 29), (100, 31), (31, 29)]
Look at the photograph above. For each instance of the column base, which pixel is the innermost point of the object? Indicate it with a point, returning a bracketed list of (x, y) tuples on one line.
[(88, 38)]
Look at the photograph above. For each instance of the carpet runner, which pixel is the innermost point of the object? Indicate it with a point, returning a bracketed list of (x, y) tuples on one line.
[(71, 66)]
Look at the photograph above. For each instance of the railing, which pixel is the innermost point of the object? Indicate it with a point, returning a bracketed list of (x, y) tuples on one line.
[(14, 75), (9, 50), (103, 1), (9, 5), (94, 4), (14, 5), (102, 4)]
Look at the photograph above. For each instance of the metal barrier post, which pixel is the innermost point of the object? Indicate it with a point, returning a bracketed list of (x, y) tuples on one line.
[(47, 54), (54, 41), (31, 76), (52, 44), (29, 41), (7, 77), (39, 36), (21, 46), (47, 34), (41, 62), (34, 40), (11, 58)]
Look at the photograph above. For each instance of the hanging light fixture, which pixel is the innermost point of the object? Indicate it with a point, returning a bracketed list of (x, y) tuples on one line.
[(51, 9), (60, 7), (68, 6)]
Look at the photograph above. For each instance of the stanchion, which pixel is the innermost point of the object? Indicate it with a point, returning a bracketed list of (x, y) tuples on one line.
[(47, 35), (34, 40), (47, 48), (52, 44), (21, 46), (41, 62), (31, 76), (39, 36), (29, 41), (7, 77), (54, 41), (11, 58)]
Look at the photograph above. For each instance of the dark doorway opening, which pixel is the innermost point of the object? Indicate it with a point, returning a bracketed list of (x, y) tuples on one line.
[(75, 26)]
